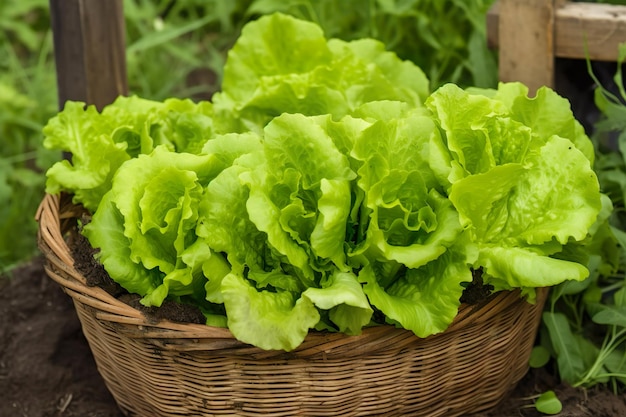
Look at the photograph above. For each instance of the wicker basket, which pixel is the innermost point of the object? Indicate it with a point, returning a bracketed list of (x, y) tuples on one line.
[(174, 369)]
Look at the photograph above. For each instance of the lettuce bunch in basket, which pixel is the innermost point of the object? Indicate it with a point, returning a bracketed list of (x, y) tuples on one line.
[(325, 183)]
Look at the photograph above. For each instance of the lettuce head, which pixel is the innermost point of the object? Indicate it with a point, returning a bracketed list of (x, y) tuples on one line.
[(519, 172)]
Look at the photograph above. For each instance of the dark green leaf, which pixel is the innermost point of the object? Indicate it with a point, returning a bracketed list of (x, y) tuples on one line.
[(616, 364), (611, 315), (567, 349)]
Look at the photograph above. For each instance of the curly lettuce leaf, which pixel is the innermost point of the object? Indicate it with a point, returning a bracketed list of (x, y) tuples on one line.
[(226, 228), (519, 267), (301, 195), (478, 134), (408, 220), (284, 65), (267, 319), (349, 308), (424, 300), (547, 114), (100, 142), (95, 155), (365, 72), (520, 189), (106, 230), (156, 196)]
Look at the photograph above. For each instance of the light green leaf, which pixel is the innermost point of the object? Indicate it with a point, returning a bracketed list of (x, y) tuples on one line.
[(100, 142), (327, 238), (156, 197), (548, 403), (426, 299), (301, 196), (94, 160), (464, 117), (524, 206), (343, 296), (409, 221), (521, 267), (547, 114), (377, 74), (106, 230), (284, 65), (539, 357), (414, 239), (269, 320)]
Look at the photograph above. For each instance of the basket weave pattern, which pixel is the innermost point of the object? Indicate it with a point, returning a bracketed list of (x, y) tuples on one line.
[(160, 369)]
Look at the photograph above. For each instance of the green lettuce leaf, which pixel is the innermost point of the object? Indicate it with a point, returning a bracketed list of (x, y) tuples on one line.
[(284, 65), (343, 295), (100, 142), (156, 196), (547, 114), (301, 195), (269, 320), (95, 155), (224, 225), (409, 221), (424, 300), (106, 230), (542, 193)]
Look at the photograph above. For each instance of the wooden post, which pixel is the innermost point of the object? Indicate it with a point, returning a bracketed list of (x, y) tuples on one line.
[(526, 42), (90, 51)]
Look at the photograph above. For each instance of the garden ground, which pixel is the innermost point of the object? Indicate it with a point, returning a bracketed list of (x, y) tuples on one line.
[(47, 370)]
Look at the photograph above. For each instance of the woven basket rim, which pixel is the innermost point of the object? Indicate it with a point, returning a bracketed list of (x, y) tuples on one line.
[(57, 211)]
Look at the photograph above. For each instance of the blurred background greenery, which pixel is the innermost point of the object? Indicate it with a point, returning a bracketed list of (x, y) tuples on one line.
[(177, 48)]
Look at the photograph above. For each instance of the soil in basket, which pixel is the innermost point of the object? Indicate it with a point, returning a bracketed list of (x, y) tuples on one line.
[(46, 367), (94, 272)]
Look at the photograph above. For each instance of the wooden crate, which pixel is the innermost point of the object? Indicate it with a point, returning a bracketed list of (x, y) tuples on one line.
[(530, 34)]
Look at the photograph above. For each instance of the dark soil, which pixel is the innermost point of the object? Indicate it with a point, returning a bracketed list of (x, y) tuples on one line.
[(47, 370), (46, 367), (96, 275)]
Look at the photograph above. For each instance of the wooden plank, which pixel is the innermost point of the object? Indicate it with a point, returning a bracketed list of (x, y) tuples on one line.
[(526, 42), (90, 51), (601, 26)]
